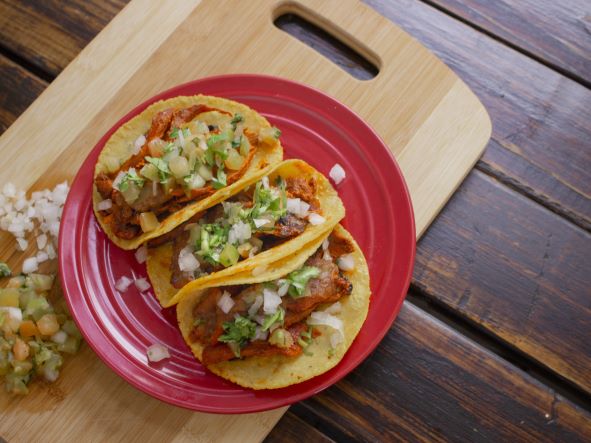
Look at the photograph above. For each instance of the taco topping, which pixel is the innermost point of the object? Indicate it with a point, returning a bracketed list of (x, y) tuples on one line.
[(273, 318), (250, 222), (179, 160)]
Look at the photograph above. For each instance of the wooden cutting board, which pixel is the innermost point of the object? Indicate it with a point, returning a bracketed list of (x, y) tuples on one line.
[(432, 122)]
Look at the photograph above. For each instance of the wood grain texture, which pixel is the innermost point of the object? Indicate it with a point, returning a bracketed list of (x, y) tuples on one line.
[(103, 407), (18, 89), (557, 33), (292, 428), (426, 383), (541, 131), (49, 34), (417, 104), (515, 268)]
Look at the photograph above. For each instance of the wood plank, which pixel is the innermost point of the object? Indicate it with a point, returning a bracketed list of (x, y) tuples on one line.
[(556, 33), (515, 268), (49, 34), (541, 128), (292, 428), (425, 382), (18, 89)]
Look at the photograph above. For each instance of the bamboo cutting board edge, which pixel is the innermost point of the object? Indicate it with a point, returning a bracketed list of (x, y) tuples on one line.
[(423, 137)]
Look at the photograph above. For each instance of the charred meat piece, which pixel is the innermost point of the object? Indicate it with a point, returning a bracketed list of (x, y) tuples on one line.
[(221, 352), (339, 246), (160, 124), (148, 200), (104, 185), (170, 236), (287, 226), (328, 287), (304, 189)]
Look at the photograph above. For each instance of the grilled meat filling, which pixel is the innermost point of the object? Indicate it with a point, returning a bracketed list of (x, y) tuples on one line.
[(328, 287), (123, 217)]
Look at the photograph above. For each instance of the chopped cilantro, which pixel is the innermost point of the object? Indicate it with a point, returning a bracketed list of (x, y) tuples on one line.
[(219, 181), (236, 119), (236, 142), (4, 270), (299, 279), (130, 177), (174, 133), (268, 202), (238, 331), (271, 319), (169, 148), (163, 170), (216, 140), (276, 132)]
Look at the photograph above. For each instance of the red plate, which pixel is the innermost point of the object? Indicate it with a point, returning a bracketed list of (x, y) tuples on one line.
[(316, 128)]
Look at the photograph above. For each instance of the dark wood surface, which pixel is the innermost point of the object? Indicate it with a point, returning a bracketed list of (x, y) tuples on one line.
[(493, 341)]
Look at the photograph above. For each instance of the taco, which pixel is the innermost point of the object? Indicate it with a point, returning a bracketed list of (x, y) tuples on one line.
[(283, 331), (274, 218), (178, 157)]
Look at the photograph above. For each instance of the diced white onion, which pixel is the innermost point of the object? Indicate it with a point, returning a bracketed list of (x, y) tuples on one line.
[(139, 142), (187, 261), (259, 270), (118, 179), (50, 375), (141, 254), (335, 308), (254, 308), (259, 334), (316, 219), (50, 251), (265, 182), (326, 255), (260, 222), (9, 190), (142, 284), (336, 339), (30, 265), (41, 241), (297, 207), (239, 232), (325, 244), (225, 303), (22, 244), (123, 283), (283, 288), (104, 205), (320, 318), (346, 262), (157, 352), (42, 256), (59, 337), (337, 173), (271, 301)]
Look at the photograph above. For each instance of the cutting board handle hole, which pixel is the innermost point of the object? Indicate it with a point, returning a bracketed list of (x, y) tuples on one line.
[(326, 43)]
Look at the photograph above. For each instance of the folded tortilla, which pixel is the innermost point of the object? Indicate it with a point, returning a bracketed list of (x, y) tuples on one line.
[(277, 371), (259, 267), (120, 147)]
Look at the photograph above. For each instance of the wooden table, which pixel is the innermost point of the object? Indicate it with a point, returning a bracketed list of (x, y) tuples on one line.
[(493, 342)]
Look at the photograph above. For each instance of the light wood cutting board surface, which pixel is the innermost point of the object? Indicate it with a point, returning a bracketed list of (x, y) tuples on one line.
[(431, 121)]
